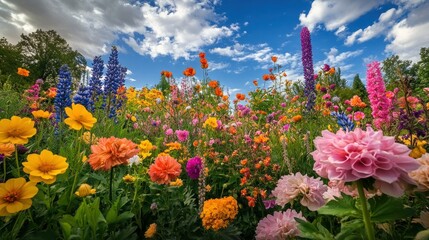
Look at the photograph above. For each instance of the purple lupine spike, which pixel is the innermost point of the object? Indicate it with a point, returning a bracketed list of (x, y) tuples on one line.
[(307, 63)]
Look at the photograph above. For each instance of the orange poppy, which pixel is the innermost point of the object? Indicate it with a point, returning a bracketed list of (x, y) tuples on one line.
[(240, 96), (272, 77), (218, 92), (255, 82), (23, 72), (202, 55), (266, 77), (296, 118), (274, 59), (168, 74), (189, 72), (213, 84)]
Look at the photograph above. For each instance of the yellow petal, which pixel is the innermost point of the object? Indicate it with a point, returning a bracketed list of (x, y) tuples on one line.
[(14, 207)]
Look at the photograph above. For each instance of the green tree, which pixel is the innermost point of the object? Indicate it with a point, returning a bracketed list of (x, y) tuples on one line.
[(394, 67), (359, 87), (10, 61), (163, 85), (423, 71), (45, 52)]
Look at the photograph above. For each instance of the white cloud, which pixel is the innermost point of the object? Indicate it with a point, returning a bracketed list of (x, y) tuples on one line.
[(230, 51), (131, 79), (336, 59), (129, 72), (175, 28), (385, 21), (217, 66), (409, 35), (340, 30), (334, 14)]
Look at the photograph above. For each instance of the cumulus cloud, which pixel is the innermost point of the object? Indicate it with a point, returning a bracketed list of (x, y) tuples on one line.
[(161, 27), (333, 14), (410, 34), (213, 66), (385, 21)]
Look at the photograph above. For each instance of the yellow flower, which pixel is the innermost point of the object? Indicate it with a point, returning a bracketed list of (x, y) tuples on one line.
[(45, 167), (85, 190), (151, 231), (16, 130), (211, 121), (173, 146), (417, 152), (133, 119), (84, 159), (218, 213), (129, 179), (7, 149), (177, 183), (208, 188), (89, 138), (145, 148), (41, 114), (15, 195), (79, 117)]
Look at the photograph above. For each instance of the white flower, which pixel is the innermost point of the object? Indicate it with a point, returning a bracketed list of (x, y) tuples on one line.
[(135, 160)]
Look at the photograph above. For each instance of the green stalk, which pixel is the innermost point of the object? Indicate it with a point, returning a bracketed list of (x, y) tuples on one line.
[(111, 184), (365, 213), (17, 162)]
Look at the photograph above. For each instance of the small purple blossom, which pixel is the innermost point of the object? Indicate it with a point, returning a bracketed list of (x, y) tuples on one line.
[(182, 135), (193, 167)]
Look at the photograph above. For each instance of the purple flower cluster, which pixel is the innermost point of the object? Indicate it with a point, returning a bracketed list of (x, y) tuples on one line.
[(307, 63), (193, 167), (95, 85), (63, 97)]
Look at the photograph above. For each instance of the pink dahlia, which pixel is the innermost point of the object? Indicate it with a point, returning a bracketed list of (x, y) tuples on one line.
[(353, 155), (279, 226), (182, 135), (291, 187)]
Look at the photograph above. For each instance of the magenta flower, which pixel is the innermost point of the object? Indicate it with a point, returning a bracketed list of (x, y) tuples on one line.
[(291, 187), (279, 226), (182, 135), (193, 167), (169, 132), (380, 104), (358, 154)]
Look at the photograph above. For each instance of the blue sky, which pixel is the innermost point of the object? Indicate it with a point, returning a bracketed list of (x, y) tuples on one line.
[(238, 37)]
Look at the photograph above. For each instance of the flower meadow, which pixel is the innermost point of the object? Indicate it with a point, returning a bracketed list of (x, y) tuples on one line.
[(184, 160)]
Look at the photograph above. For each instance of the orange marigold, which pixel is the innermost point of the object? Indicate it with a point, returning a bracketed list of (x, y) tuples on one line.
[(189, 72), (296, 118), (164, 170), (110, 152)]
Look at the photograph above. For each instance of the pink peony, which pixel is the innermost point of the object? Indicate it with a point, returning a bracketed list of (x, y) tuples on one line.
[(169, 132), (279, 226), (353, 155), (290, 187), (182, 135)]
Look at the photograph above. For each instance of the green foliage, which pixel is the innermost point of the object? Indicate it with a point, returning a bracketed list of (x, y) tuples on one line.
[(359, 88), (11, 103), (44, 52)]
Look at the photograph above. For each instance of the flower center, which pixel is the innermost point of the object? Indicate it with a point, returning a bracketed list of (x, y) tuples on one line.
[(11, 197), (46, 167), (14, 132)]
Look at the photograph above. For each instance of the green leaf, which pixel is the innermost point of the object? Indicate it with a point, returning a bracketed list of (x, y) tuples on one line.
[(310, 231), (385, 208), (112, 214), (351, 230), (341, 207)]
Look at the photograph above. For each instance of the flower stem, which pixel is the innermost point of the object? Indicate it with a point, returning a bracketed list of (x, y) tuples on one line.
[(111, 184), (17, 162), (365, 213)]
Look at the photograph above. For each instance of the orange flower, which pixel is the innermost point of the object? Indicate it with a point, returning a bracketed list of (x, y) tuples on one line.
[(168, 74), (218, 92), (213, 84), (203, 61), (23, 72), (274, 59), (255, 82), (110, 152), (164, 170), (7, 149), (331, 71), (225, 98), (355, 101), (52, 92), (202, 55), (296, 118), (266, 77), (272, 77), (189, 72), (318, 87), (295, 98), (240, 96), (260, 139)]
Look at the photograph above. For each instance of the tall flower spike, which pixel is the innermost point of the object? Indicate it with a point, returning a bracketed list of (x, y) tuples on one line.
[(307, 63), (95, 81), (112, 82), (83, 96), (63, 97), (380, 104)]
